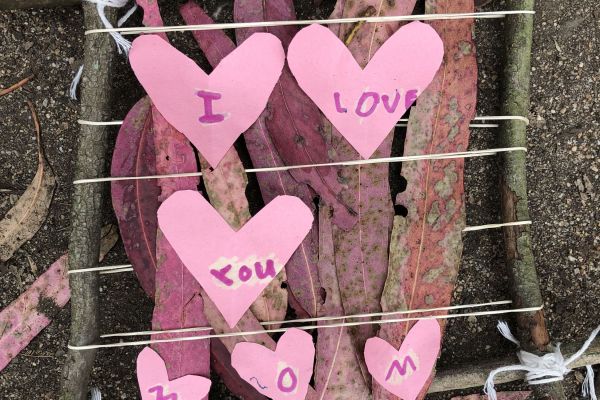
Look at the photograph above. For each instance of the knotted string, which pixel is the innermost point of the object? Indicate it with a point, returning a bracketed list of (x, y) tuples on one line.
[(123, 45), (550, 367)]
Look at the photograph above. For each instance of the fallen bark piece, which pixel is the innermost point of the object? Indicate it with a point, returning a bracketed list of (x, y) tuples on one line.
[(34, 309), (28, 214)]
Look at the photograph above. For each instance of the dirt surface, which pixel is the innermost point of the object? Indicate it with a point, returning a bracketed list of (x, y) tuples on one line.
[(563, 176)]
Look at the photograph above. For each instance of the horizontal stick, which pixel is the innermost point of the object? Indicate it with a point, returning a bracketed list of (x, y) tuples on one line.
[(21, 4), (474, 375)]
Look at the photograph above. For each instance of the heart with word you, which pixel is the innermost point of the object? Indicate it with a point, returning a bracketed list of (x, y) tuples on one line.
[(283, 374), (155, 384), (364, 105), (233, 267), (211, 110), (404, 372)]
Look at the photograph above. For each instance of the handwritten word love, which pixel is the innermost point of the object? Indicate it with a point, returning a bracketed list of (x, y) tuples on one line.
[(369, 101), (234, 274)]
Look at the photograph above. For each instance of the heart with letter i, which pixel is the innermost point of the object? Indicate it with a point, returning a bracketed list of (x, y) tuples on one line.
[(405, 371), (211, 110), (233, 267), (364, 105), (154, 382)]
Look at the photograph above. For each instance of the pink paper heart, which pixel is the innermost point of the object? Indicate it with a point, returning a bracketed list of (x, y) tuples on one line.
[(404, 372), (365, 104), (155, 385), (211, 110), (233, 267), (283, 374)]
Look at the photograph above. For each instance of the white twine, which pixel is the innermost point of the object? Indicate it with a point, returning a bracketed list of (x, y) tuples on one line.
[(263, 24), (588, 388), (436, 156), (402, 121), (95, 394), (550, 367), (319, 319), (305, 328), (75, 83), (123, 45)]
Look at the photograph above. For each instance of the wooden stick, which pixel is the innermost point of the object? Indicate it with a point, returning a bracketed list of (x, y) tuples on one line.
[(15, 86), (21, 4), (531, 332), (474, 375), (86, 216)]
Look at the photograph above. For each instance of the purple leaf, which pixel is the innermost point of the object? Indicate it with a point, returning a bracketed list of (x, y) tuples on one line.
[(178, 303), (426, 246), (136, 202), (361, 253), (301, 268), (290, 114)]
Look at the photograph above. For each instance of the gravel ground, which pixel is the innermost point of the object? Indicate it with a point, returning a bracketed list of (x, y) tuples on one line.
[(563, 177)]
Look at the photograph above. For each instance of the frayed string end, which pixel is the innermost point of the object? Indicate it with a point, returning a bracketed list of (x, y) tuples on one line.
[(75, 83), (588, 388)]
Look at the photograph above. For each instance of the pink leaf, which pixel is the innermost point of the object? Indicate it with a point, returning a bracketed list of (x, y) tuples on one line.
[(361, 255), (34, 309), (136, 202), (178, 303), (293, 118), (152, 15), (337, 371), (426, 246)]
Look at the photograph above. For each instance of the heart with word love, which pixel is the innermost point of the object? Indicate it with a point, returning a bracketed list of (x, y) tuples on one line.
[(365, 104), (233, 267), (283, 374), (154, 382), (404, 372), (211, 110)]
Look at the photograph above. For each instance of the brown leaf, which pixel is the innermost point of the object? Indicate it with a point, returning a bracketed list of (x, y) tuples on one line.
[(27, 215)]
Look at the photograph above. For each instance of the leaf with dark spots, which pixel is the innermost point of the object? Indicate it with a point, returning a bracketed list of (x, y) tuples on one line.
[(136, 202), (34, 309), (301, 268), (426, 245), (292, 119), (361, 253), (26, 217), (178, 303), (337, 371)]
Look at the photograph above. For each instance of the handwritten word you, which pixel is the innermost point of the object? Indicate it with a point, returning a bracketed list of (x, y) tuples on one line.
[(369, 102), (231, 273)]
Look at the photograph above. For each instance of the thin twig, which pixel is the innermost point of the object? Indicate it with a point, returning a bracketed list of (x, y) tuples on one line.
[(15, 86)]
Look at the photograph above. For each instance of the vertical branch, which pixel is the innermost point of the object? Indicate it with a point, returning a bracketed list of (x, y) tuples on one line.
[(532, 331), (86, 209)]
